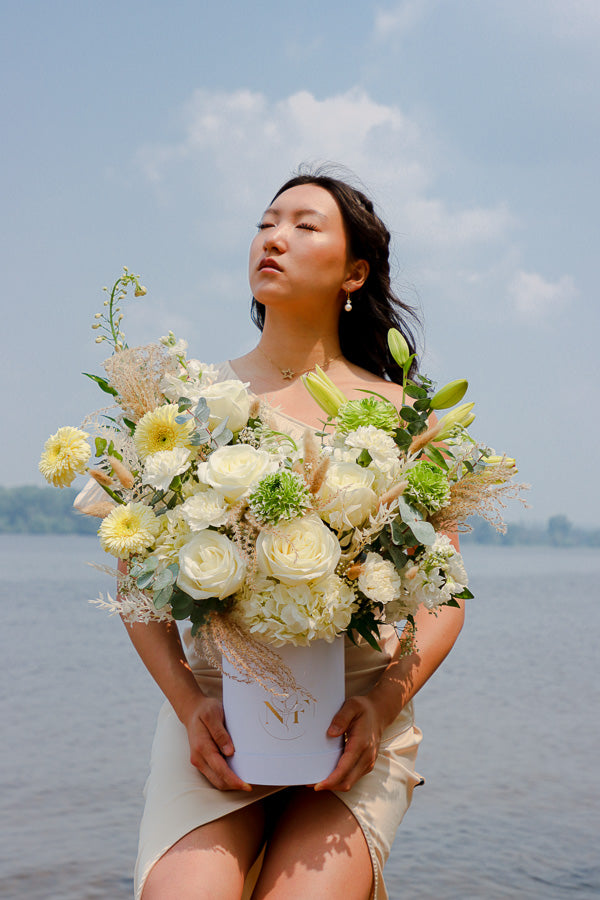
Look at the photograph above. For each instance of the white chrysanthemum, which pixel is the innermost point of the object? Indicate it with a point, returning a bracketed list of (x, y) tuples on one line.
[(379, 580), (65, 455), (161, 468), (296, 614), (205, 508), (128, 529)]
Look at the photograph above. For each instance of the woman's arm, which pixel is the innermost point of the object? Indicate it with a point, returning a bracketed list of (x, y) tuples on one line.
[(364, 718), (159, 646)]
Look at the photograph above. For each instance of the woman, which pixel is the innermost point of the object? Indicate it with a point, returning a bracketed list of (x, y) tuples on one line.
[(319, 274)]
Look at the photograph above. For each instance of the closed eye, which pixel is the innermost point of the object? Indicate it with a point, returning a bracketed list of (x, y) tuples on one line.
[(308, 226)]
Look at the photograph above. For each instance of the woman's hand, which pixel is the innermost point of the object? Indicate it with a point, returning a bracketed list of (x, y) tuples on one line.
[(210, 743), (359, 720)]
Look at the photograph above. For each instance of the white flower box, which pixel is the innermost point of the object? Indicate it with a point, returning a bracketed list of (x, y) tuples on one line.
[(283, 740)]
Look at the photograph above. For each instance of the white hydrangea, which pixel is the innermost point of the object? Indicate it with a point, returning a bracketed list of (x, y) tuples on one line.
[(379, 579), (174, 533), (296, 614), (161, 468)]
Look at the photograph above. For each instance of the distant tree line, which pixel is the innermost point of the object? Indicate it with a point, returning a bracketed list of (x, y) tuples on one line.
[(42, 510), (45, 510), (558, 531)]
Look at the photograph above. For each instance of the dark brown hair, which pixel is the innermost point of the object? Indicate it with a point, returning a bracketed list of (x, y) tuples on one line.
[(376, 309)]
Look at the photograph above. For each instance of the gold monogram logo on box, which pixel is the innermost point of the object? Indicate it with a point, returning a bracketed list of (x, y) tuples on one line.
[(283, 717)]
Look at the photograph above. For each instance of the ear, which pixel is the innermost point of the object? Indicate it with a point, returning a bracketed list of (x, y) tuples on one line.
[(358, 273)]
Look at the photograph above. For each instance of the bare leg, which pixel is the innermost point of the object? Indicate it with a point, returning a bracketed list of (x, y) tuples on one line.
[(317, 850), (211, 862)]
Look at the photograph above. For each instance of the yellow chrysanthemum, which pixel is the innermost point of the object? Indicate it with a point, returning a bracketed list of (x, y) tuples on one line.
[(65, 455), (157, 430), (128, 529)]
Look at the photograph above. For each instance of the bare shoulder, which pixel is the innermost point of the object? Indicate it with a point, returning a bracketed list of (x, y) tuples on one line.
[(356, 381)]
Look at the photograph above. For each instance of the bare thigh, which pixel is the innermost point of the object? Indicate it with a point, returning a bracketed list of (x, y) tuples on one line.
[(211, 862), (318, 849)]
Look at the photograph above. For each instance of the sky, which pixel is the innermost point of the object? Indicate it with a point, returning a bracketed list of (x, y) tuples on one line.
[(153, 134)]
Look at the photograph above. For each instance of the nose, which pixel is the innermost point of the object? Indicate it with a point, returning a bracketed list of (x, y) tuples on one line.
[(274, 238)]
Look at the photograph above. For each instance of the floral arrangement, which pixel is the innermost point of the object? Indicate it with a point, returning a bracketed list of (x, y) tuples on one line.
[(229, 523)]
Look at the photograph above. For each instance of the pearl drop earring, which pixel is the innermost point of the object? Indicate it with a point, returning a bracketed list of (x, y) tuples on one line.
[(348, 304)]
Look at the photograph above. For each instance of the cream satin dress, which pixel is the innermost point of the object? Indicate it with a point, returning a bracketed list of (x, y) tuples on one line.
[(179, 799)]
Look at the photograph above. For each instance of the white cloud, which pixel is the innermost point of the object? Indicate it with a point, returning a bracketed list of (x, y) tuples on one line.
[(248, 145), (401, 19), (535, 298)]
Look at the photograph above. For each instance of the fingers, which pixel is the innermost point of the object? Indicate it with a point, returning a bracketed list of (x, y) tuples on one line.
[(209, 744), (357, 721)]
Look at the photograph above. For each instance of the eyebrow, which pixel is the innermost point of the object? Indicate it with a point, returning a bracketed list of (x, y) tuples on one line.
[(298, 213)]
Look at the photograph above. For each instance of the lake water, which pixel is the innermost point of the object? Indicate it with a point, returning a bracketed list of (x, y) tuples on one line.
[(511, 804)]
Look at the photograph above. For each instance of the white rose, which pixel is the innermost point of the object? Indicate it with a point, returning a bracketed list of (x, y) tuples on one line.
[(161, 468), (205, 508), (176, 386), (227, 400), (234, 469), (348, 495), (210, 566), (301, 550), (379, 580)]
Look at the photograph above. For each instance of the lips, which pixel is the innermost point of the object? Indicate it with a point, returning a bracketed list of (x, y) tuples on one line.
[(269, 263)]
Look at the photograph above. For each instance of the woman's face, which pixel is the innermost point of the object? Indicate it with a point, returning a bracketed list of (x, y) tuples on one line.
[(299, 256)]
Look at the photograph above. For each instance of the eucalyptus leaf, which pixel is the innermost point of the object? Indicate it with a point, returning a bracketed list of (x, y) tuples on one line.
[(423, 531), (145, 580), (402, 438), (224, 438), (162, 597), (184, 403), (163, 579), (148, 565), (202, 412), (182, 419)]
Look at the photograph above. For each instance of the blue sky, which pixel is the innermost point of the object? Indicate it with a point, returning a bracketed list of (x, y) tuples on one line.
[(152, 135)]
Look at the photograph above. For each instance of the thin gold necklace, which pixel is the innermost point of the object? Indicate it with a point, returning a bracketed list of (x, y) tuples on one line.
[(288, 374)]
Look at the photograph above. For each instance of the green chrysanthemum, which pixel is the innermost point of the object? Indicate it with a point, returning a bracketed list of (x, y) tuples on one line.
[(368, 411), (427, 486), (279, 497)]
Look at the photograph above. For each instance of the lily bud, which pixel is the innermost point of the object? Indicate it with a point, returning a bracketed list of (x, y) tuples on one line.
[(449, 395), (323, 391), (507, 461), (460, 416), (398, 346)]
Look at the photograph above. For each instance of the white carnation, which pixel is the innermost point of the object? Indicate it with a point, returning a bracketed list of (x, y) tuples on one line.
[(161, 468), (381, 446), (205, 508), (379, 580)]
